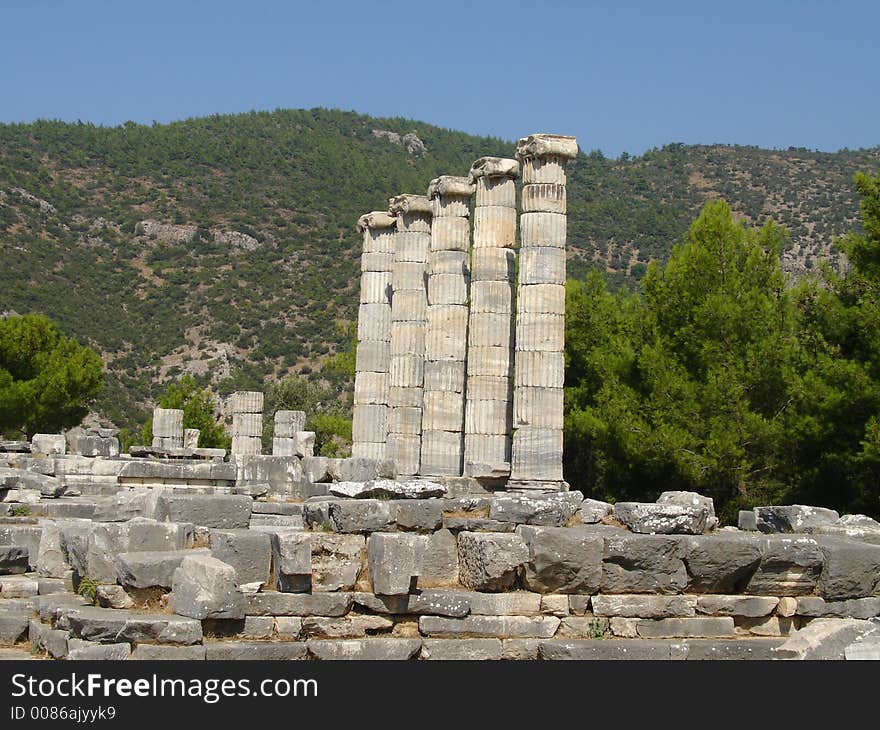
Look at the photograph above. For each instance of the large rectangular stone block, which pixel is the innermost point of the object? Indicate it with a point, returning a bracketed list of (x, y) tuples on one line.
[(541, 299), (408, 275), (562, 559), (491, 329), (495, 191), (790, 566), (395, 561), (537, 454), (542, 627), (246, 401), (248, 551), (537, 407), (542, 229), (370, 388), (494, 226), (449, 262), (493, 362), (543, 198), (486, 449), (539, 369), (441, 453), (450, 233), (376, 287), (643, 564), (447, 289), (443, 411), (448, 375), (409, 305), (407, 340), (544, 332), (247, 424), (206, 510), (288, 423), (369, 423), (490, 561), (541, 265), (373, 355), (406, 371), (406, 452), (374, 322), (376, 261), (487, 417), (405, 420), (543, 169), (492, 296)]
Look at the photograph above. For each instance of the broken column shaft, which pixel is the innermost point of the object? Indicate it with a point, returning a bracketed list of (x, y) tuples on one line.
[(247, 421), (412, 243), (373, 357), (540, 320), (488, 412), (447, 323)]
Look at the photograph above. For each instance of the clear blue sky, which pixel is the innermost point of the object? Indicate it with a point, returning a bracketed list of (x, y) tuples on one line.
[(621, 75)]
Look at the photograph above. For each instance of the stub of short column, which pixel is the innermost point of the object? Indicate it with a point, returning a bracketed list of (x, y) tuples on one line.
[(540, 320), (191, 438), (247, 421), (167, 428), (488, 404), (373, 355), (448, 276), (409, 316)]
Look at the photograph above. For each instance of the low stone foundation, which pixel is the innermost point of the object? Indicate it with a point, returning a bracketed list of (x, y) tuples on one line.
[(196, 562)]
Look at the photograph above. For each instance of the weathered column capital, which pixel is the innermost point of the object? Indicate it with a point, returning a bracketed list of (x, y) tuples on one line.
[(374, 220), (494, 167), (407, 203), (546, 145), (450, 186)]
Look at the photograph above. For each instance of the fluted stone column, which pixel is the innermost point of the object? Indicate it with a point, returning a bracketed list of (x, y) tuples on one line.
[(409, 313), (488, 412), (247, 421), (446, 336), (167, 428), (540, 320), (373, 357)]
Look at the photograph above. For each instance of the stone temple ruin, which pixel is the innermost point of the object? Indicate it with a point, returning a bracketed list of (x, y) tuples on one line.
[(450, 533), (460, 361)]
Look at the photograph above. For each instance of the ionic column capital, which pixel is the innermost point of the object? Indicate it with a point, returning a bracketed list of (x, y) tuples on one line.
[(494, 167), (374, 220), (450, 186), (408, 203), (546, 145)]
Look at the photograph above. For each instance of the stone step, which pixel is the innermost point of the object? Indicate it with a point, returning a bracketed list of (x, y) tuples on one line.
[(600, 649)]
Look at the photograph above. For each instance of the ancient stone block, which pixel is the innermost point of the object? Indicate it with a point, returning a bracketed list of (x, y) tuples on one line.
[(225, 511), (204, 587), (146, 569), (249, 552), (540, 627), (662, 519), (643, 564), (490, 561), (790, 566), (720, 563), (395, 561), (851, 569)]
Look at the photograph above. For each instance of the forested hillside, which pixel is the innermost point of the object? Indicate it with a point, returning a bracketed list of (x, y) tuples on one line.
[(225, 246)]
